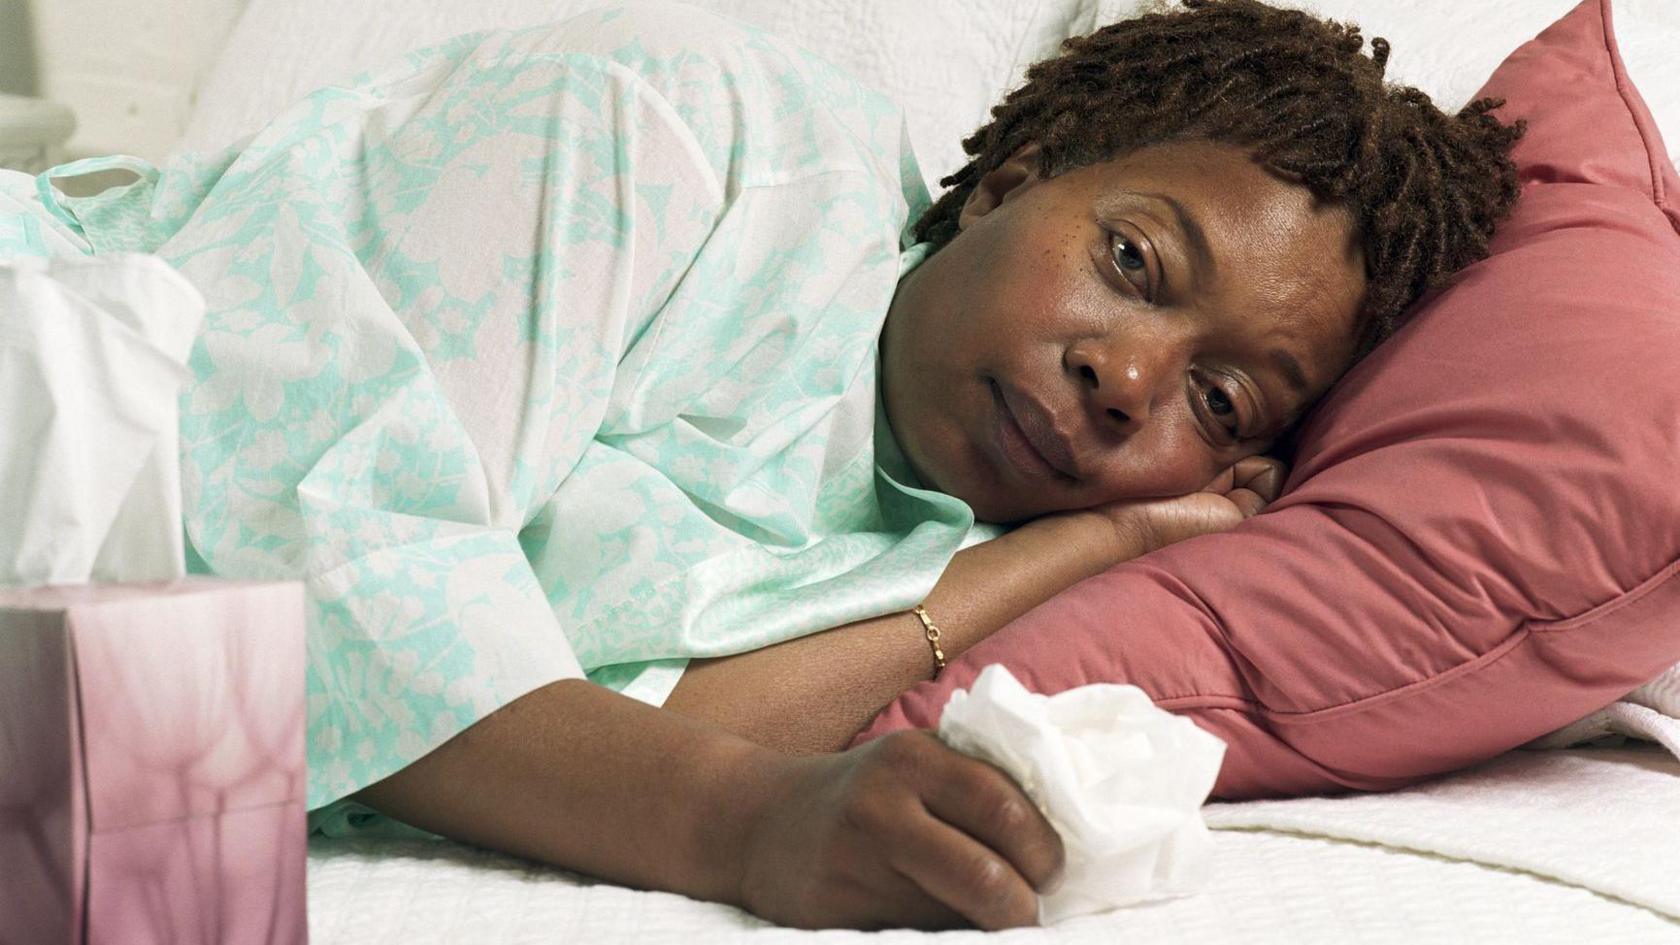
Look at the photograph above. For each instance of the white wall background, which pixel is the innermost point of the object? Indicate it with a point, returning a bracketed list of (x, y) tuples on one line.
[(17, 51), (127, 67)]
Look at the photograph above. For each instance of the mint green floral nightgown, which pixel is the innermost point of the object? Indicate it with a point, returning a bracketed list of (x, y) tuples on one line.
[(544, 353)]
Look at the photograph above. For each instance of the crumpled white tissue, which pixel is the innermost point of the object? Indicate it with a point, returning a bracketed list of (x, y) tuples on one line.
[(1121, 780), (93, 354)]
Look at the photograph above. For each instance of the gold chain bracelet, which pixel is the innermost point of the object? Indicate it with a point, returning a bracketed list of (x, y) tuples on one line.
[(932, 634)]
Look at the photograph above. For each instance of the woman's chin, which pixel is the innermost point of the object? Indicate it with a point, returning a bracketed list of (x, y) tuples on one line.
[(1000, 511)]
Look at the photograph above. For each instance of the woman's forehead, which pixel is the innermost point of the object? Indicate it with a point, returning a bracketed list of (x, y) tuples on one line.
[(1219, 196)]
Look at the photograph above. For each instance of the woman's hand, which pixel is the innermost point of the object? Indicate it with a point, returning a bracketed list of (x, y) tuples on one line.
[(899, 832), (1235, 494)]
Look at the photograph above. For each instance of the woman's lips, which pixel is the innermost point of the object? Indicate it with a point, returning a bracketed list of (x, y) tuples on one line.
[(1028, 452)]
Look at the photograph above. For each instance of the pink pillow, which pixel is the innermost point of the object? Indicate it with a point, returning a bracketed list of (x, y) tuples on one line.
[(1480, 539)]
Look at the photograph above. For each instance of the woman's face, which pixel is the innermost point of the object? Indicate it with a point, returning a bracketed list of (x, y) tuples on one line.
[(1125, 330)]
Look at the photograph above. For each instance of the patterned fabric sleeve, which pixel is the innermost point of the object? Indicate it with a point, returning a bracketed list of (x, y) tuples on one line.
[(735, 495), (546, 351), (419, 289)]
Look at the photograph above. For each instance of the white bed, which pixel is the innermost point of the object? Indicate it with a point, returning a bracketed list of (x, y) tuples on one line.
[(1564, 846), (1578, 846)]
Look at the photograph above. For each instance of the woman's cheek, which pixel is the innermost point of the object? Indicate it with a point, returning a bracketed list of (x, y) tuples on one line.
[(1167, 468)]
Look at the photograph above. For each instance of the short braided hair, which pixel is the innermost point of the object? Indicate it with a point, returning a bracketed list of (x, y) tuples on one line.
[(1423, 188)]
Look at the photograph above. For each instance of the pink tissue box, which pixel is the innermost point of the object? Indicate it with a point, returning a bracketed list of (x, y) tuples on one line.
[(152, 764)]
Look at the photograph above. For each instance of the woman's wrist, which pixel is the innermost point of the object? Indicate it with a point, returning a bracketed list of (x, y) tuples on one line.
[(816, 692), (752, 780), (1107, 535)]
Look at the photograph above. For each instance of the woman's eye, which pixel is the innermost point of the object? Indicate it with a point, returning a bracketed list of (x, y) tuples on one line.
[(1220, 404), (1128, 258)]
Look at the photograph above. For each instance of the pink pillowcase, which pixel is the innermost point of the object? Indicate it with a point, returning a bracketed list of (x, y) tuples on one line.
[(1480, 539)]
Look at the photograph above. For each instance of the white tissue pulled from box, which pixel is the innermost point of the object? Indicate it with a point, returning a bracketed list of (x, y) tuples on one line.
[(1120, 779), (93, 355)]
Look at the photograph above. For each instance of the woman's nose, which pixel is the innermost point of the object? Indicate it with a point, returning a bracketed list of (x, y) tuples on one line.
[(1120, 385)]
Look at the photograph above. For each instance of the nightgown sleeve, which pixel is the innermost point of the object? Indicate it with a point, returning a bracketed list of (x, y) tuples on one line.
[(420, 288)]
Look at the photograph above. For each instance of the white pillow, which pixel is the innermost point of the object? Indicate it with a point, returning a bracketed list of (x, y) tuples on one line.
[(943, 61)]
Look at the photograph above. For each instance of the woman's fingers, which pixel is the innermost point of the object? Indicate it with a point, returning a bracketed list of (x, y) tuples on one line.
[(1262, 475), (1247, 501), (903, 831), (1222, 483), (963, 876), (913, 907), (1268, 482), (891, 899), (983, 802), (1250, 485), (978, 844)]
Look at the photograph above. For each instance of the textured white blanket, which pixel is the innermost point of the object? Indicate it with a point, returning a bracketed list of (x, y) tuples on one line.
[(1573, 847), (1605, 819), (1651, 712)]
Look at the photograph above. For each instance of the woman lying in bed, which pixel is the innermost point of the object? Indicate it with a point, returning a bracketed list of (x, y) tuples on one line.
[(630, 348)]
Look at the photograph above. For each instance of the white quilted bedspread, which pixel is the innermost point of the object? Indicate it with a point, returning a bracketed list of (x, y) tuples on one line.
[(1572, 847)]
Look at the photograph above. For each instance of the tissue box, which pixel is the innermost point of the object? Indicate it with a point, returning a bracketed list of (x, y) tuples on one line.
[(152, 764)]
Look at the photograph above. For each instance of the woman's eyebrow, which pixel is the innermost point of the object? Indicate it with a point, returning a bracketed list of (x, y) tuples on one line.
[(1192, 230)]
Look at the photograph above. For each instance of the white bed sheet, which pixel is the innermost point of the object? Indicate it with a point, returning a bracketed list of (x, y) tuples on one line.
[(1578, 846)]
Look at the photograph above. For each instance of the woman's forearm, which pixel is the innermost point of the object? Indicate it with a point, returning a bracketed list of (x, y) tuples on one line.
[(815, 693), (902, 832), (653, 799), (576, 775)]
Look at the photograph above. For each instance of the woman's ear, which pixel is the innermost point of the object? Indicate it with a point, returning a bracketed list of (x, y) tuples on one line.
[(999, 184)]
